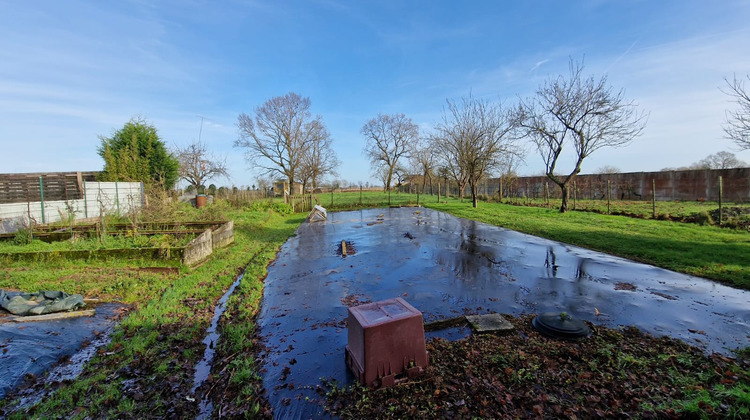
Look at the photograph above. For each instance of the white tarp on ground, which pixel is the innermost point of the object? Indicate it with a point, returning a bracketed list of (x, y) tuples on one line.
[(99, 198)]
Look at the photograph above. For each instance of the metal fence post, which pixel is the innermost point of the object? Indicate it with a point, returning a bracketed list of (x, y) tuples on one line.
[(117, 198), (41, 196), (85, 202), (721, 192), (609, 194)]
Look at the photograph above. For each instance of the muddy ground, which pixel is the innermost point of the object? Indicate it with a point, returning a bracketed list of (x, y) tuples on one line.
[(614, 373)]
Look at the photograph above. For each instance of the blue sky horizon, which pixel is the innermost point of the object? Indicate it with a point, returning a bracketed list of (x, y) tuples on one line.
[(72, 71)]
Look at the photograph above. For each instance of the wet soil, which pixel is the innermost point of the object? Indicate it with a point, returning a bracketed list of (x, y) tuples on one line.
[(203, 368), (611, 374), (447, 267)]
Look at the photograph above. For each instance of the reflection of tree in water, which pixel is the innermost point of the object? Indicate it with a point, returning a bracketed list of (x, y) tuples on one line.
[(581, 272), (551, 262), (469, 239)]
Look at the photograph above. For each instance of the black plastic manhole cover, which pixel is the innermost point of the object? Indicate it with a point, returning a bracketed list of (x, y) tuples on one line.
[(560, 325)]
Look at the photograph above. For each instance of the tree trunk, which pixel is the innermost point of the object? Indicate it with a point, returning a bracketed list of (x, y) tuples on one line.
[(565, 193), (500, 189), (474, 192)]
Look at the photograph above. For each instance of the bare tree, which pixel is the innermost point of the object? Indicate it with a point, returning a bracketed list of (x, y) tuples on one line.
[(472, 139), (582, 113), (382, 172), (737, 127), (401, 174), (720, 160), (608, 169), (422, 162), (508, 169), (281, 134), (453, 171), (389, 138), (319, 161), (198, 165)]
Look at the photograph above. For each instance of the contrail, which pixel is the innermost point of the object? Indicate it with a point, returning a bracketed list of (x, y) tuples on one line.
[(623, 54)]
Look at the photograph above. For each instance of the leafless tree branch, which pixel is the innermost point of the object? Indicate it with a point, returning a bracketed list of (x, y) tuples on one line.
[(579, 112), (472, 140), (737, 126), (197, 164), (279, 136), (388, 139)]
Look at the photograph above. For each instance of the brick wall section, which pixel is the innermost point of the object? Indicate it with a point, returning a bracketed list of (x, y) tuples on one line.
[(686, 185)]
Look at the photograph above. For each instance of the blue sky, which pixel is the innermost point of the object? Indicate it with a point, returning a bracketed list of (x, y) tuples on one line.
[(73, 70)]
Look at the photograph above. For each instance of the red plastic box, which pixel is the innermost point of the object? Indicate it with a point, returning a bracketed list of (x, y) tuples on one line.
[(386, 340)]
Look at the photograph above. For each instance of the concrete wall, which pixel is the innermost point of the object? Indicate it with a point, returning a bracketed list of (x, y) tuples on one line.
[(224, 235), (200, 248), (99, 198)]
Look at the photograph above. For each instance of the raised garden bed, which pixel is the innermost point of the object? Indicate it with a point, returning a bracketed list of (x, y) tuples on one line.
[(55, 233), (215, 235)]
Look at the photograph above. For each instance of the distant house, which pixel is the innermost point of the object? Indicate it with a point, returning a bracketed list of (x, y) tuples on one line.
[(281, 188)]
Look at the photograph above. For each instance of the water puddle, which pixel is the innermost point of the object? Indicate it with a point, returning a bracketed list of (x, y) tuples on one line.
[(203, 368), (447, 267)]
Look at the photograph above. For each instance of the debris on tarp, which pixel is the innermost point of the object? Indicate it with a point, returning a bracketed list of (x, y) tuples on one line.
[(52, 317), (317, 214), (44, 302)]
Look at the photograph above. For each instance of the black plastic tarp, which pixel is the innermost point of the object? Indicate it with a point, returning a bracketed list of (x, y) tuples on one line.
[(447, 267)]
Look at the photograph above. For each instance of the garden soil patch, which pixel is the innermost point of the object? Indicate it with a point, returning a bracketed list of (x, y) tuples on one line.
[(612, 374)]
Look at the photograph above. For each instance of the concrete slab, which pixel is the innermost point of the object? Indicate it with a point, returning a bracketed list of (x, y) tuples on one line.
[(490, 323)]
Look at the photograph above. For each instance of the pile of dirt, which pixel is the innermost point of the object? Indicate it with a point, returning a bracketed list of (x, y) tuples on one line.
[(738, 217), (610, 374)]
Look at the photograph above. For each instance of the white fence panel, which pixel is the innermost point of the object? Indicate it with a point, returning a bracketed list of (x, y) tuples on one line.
[(99, 198), (112, 197)]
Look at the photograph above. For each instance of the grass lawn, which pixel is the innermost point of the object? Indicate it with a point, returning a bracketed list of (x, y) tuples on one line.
[(643, 208)]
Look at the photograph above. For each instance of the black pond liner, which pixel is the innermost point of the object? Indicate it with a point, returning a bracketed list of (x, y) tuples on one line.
[(456, 267), (557, 325), (33, 348)]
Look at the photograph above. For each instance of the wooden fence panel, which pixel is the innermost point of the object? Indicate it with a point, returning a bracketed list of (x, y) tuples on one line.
[(23, 188)]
